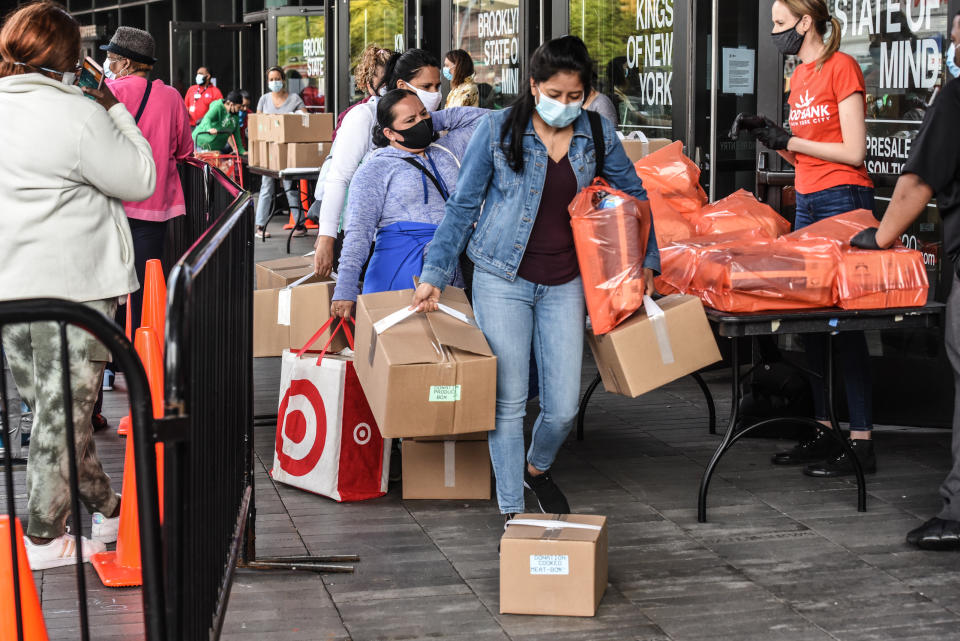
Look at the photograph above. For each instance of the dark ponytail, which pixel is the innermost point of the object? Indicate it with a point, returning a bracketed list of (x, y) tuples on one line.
[(407, 65), (385, 114), (561, 54)]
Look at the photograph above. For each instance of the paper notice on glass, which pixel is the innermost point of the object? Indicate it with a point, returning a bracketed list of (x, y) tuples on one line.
[(739, 67)]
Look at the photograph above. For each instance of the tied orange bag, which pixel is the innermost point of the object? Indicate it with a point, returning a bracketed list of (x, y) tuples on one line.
[(756, 276), (840, 228), (669, 225), (740, 211), (674, 176), (891, 278), (610, 232), (679, 261)]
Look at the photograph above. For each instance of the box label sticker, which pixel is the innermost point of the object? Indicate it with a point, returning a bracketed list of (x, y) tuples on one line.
[(444, 393), (283, 306), (557, 564)]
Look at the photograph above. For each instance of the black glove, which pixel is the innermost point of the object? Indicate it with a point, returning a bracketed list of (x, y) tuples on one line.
[(866, 239), (748, 123), (772, 135)]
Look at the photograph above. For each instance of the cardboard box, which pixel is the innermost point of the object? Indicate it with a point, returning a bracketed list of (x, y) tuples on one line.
[(286, 318), (286, 128), (306, 154), (273, 274), (429, 374), (555, 568), (637, 149), (253, 155), (277, 156), (258, 127), (446, 470), (260, 148), (631, 358), (469, 436)]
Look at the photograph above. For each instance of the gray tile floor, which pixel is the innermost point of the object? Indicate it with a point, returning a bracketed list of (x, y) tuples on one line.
[(784, 557)]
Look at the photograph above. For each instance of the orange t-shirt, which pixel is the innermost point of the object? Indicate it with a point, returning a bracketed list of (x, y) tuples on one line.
[(814, 115)]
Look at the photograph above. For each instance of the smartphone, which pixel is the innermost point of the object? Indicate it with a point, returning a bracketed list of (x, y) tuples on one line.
[(91, 75)]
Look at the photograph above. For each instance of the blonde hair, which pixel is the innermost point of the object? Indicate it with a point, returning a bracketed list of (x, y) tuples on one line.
[(820, 14), (371, 58)]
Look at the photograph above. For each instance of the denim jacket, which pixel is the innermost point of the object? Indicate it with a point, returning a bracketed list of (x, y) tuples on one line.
[(504, 203)]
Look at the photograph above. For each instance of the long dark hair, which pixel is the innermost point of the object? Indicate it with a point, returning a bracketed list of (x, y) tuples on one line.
[(462, 65), (561, 54), (385, 114), (404, 66)]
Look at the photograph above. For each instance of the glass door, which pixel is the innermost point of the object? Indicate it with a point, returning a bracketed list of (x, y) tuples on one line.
[(233, 53)]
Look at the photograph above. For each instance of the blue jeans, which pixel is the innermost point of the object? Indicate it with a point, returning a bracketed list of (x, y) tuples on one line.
[(851, 347), (265, 202), (514, 316)]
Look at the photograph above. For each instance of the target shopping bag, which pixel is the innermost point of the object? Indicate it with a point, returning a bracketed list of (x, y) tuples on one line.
[(327, 441)]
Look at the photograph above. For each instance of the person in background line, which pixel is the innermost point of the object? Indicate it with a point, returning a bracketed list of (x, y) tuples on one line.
[(828, 150), (200, 96), (65, 235), (165, 123), (458, 70), (379, 71), (933, 169), (221, 125), (601, 104), (277, 101), (953, 53), (523, 167)]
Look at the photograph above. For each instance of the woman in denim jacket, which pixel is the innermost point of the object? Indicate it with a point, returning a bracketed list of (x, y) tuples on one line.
[(521, 170)]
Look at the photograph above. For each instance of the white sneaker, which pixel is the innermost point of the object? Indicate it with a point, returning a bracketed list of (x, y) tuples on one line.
[(103, 529), (59, 552)]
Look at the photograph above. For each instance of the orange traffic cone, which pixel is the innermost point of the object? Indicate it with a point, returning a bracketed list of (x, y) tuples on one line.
[(309, 224), (124, 427), (152, 315), (121, 568), (34, 629)]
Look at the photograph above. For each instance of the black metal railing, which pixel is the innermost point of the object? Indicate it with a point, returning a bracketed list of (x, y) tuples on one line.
[(209, 400), (66, 314)]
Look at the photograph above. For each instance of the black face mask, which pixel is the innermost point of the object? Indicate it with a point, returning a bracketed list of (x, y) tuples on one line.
[(788, 42), (418, 136)]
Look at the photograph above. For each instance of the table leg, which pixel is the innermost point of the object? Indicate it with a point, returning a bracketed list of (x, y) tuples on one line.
[(711, 406), (844, 443), (728, 437), (582, 411)]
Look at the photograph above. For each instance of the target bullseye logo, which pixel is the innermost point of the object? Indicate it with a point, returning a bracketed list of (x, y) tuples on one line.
[(294, 426), (362, 434)]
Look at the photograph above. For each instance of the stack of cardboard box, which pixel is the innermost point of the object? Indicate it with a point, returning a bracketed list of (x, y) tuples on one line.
[(279, 142), (430, 379)]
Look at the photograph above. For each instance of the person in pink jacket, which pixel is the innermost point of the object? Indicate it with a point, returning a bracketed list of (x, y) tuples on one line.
[(165, 123)]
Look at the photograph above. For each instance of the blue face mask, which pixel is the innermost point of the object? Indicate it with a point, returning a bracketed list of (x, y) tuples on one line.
[(558, 114), (447, 73), (952, 61)]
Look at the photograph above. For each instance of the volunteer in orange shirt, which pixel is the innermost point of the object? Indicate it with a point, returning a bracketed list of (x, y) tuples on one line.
[(200, 95), (827, 144)]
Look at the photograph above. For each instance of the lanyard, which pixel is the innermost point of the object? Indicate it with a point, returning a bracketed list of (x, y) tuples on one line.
[(434, 176)]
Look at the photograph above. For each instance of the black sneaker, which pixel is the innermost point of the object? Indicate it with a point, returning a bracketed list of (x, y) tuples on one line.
[(840, 465), (549, 496), (99, 422), (821, 447)]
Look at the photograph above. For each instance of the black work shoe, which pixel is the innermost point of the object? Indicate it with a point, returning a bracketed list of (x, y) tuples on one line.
[(99, 422), (936, 534), (549, 496), (823, 446), (840, 465)]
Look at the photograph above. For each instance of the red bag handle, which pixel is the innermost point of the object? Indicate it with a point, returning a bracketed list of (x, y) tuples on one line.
[(341, 326), (600, 181)]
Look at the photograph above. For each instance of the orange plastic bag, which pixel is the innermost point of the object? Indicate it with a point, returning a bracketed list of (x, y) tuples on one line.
[(669, 225), (756, 276), (840, 228), (678, 262), (674, 176), (882, 279), (610, 231), (740, 211)]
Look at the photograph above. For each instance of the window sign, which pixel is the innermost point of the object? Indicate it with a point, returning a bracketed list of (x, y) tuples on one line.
[(900, 46), (632, 45), (490, 33), (301, 53)]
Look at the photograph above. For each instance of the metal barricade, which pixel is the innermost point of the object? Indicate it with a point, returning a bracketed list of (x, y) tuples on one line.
[(64, 314)]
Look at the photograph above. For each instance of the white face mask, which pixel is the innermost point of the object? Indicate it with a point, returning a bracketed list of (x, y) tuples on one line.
[(430, 99), (107, 71), (200, 79), (276, 86)]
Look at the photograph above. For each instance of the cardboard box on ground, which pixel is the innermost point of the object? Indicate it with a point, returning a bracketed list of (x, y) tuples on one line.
[(446, 469), (553, 564), (286, 317), (641, 354), (429, 374)]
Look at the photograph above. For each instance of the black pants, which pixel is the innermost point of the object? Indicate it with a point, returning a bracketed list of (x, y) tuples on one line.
[(148, 239)]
